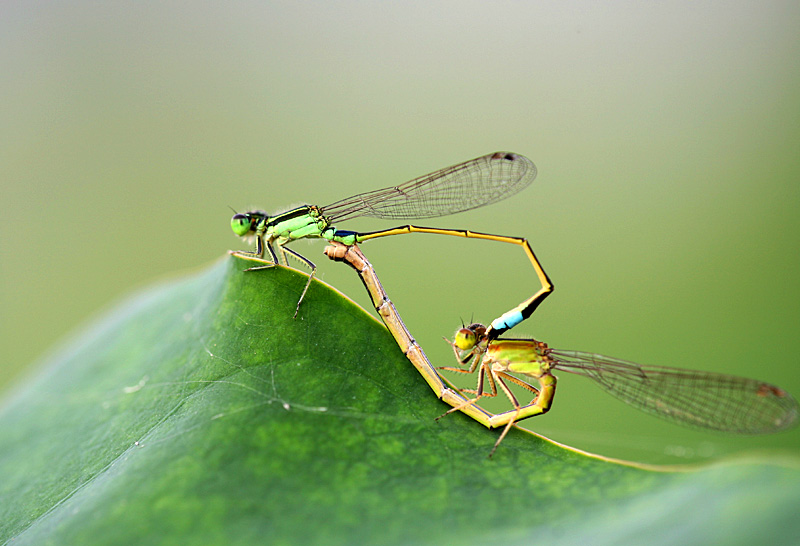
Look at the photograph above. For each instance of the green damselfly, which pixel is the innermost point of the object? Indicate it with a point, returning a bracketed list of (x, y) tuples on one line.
[(465, 186), (707, 400)]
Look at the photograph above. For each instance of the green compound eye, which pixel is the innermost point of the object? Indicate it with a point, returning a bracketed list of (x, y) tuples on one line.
[(240, 224)]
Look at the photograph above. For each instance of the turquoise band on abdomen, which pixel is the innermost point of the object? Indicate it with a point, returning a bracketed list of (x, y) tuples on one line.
[(507, 320)]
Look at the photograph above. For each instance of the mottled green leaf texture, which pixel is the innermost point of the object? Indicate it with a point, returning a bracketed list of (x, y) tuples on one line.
[(201, 412)]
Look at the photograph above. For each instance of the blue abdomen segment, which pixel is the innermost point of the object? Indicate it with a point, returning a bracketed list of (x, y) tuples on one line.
[(507, 321)]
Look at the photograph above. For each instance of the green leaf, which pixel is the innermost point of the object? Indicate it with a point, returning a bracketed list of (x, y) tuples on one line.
[(200, 412)]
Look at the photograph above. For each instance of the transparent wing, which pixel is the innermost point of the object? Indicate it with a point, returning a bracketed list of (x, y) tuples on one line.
[(472, 184), (702, 399)]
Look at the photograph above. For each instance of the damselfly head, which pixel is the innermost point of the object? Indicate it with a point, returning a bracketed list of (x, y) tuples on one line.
[(468, 337), (477, 328), (244, 223), (465, 339)]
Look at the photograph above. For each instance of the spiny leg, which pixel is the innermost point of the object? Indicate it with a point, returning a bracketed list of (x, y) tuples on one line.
[(257, 256), (500, 376), (463, 360), (310, 265), (540, 404), (479, 392), (276, 259)]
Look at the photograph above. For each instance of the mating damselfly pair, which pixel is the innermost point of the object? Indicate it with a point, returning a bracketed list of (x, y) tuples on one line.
[(703, 399)]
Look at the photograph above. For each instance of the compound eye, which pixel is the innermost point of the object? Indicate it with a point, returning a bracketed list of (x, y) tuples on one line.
[(240, 224), (465, 339)]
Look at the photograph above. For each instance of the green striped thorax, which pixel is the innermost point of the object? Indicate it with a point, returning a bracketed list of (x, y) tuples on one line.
[(305, 221)]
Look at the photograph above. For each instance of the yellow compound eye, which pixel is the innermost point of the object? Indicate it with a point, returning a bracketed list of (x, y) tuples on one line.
[(465, 339)]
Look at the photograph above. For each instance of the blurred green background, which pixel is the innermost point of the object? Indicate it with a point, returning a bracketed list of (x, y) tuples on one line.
[(665, 210)]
